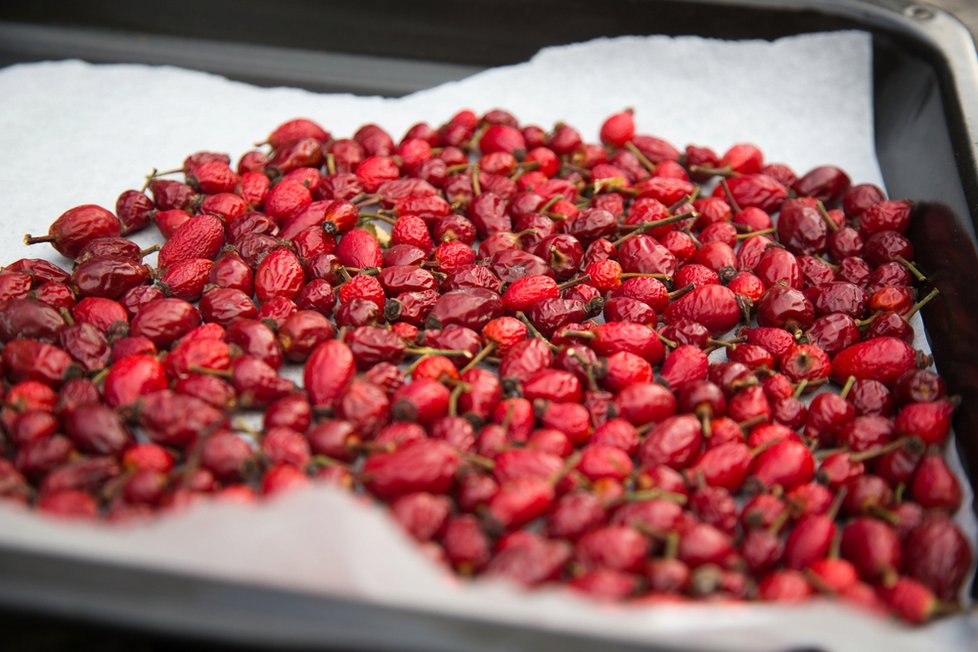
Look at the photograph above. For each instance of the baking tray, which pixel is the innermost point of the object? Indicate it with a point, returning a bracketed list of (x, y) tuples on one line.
[(926, 114)]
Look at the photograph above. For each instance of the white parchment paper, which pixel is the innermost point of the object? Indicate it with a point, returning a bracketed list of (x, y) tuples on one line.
[(73, 133)]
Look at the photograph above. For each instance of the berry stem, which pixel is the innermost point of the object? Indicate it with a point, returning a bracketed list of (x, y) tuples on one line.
[(461, 167), (642, 158), (730, 198), (377, 216), (711, 171), (364, 199), (672, 545), (67, 316), (757, 450), (652, 494), (779, 522), (221, 373), (574, 281), (915, 308), (324, 460), (665, 340), (800, 387), (479, 357), (371, 447), (825, 216), (648, 226), (675, 294), (820, 585), (878, 511), (584, 335), (850, 381), (479, 460), (753, 421), (658, 277), (705, 426), (837, 503), (723, 343), (588, 370), (895, 445), (751, 234), (149, 179), (424, 350), (31, 239), (917, 274), (688, 199), (550, 202), (362, 271), (453, 398), (535, 331)]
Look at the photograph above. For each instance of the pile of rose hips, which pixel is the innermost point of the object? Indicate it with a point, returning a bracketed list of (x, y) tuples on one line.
[(505, 336)]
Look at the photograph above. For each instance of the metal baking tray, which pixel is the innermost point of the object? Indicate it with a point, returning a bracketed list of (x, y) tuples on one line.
[(926, 113)]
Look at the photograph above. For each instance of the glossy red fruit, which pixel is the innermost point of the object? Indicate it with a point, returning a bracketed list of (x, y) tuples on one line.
[(787, 463), (622, 336), (645, 403), (30, 360), (163, 321), (833, 333), (279, 274), (702, 543), (132, 377), (806, 362), (327, 371), (788, 586), (783, 307), (825, 183), (170, 419), (827, 413), (109, 277), (809, 541), (761, 550), (528, 291), (938, 555), (726, 465), (612, 548), (755, 190), (618, 128), (684, 365), (873, 548), (675, 442), (68, 503), (934, 485), (426, 465), (883, 358), (714, 306), (198, 237), (910, 600), (256, 339), (97, 429), (885, 215), (77, 226), (930, 421), (301, 333), (257, 384), (777, 266), (801, 227)]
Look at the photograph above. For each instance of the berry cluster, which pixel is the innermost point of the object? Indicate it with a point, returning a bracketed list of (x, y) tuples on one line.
[(514, 338)]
